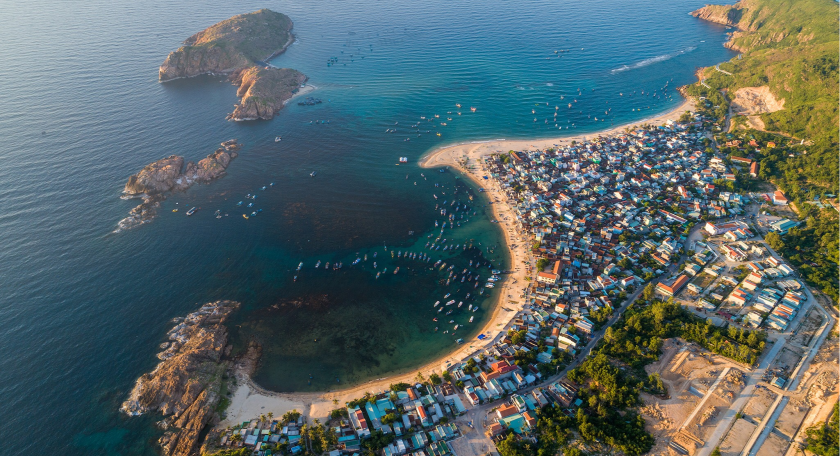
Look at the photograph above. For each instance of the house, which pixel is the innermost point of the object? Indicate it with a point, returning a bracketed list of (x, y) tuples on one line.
[(547, 278), (779, 198), (782, 226), (360, 424), (673, 288), (741, 161), (754, 169)]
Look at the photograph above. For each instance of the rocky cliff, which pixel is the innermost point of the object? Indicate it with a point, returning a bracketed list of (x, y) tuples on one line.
[(264, 91), (186, 385), (239, 47), (729, 15), (169, 174), (230, 45)]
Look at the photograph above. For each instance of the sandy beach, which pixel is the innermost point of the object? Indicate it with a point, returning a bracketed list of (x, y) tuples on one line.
[(303, 91), (474, 150), (250, 400)]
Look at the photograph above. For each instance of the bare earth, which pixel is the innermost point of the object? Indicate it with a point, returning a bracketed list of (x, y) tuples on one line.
[(250, 400)]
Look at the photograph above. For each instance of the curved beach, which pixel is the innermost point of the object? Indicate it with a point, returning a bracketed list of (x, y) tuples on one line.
[(250, 400)]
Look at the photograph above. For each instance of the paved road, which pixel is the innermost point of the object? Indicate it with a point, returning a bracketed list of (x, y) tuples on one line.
[(746, 393)]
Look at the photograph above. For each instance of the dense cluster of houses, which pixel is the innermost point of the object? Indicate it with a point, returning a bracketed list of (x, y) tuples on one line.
[(417, 416), (263, 435), (773, 297), (590, 205)]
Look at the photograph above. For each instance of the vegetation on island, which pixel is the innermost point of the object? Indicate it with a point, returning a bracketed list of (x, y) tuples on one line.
[(790, 47), (252, 36)]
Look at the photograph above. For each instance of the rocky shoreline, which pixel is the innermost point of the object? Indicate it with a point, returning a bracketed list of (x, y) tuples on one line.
[(169, 174), (264, 91), (728, 15), (239, 47), (187, 385)]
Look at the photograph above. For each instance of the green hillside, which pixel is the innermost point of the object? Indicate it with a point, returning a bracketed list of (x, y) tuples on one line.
[(792, 48)]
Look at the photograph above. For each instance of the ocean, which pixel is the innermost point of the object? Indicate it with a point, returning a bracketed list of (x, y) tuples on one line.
[(83, 308)]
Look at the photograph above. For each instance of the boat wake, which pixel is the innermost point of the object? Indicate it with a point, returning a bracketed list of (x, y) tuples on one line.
[(652, 60)]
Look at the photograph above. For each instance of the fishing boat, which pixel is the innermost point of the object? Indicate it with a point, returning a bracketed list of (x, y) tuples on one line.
[(377, 275), (471, 319), (457, 105), (472, 109), (295, 279), (300, 266), (318, 264), (461, 303), (278, 139), (239, 203), (397, 270), (312, 174), (191, 211), (245, 216), (436, 304), (456, 327)]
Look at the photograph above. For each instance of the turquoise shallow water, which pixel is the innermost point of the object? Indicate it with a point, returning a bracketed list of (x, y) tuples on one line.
[(83, 309)]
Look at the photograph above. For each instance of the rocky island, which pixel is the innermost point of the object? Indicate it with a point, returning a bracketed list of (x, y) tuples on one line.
[(187, 385), (239, 47), (169, 174)]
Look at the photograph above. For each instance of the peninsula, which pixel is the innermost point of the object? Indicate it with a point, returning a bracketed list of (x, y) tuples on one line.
[(169, 174), (240, 47), (186, 386)]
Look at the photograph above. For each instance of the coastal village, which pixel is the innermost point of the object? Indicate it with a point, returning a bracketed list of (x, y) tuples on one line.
[(646, 209)]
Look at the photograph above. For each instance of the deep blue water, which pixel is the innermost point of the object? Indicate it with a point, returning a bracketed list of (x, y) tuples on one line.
[(83, 309)]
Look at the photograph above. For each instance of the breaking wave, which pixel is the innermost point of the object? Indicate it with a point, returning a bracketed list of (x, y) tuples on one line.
[(652, 60)]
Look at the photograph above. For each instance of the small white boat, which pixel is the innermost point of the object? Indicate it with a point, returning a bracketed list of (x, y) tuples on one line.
[(312, 174), (471, 319), (436, 304), (278, 139), (191, 211)]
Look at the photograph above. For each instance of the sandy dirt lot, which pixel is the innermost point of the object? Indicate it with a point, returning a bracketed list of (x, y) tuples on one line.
[(791, 417), (773, 446), (737, 438), (758, 405)]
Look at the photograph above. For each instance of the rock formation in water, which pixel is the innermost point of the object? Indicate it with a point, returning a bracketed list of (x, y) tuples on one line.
[(186, 385), (239, 47), (168, 174), (264, 91)]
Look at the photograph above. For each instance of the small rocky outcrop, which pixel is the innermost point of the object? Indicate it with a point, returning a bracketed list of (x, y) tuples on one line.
[(239, 47), (169, 174), (264, 91), (186, 385)]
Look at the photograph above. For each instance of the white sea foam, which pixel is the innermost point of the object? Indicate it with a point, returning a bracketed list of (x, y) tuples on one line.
[(652, 60)]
